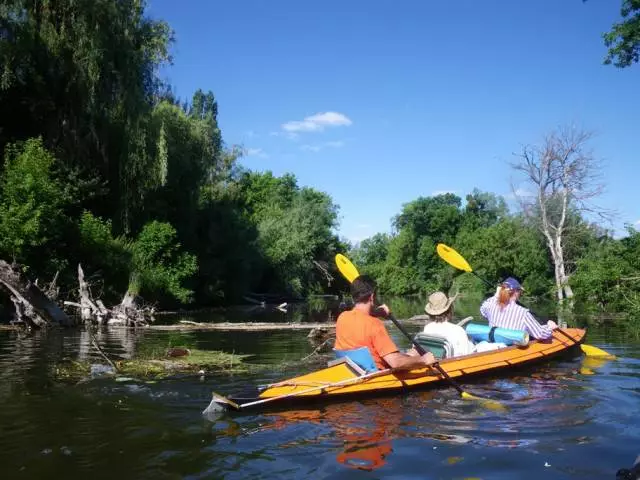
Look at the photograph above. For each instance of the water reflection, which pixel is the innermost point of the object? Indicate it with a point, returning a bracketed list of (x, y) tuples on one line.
[(567, 419), (363, 431)]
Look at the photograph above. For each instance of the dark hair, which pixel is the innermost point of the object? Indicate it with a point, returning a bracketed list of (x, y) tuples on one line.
[(362, 288), (445, 316)]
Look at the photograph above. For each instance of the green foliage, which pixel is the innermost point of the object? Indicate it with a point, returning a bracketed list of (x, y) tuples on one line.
[(32, 201), (229, 256), (103, 166), (188, 153), (104, 256), (597, 279), (134, 173), (608, 276), (85, 86), (295, 227), (483, 209), (159, 264), (510, 247), (623, 41)]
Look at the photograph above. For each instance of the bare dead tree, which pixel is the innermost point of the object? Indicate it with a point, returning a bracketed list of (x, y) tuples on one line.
[(565, 177)]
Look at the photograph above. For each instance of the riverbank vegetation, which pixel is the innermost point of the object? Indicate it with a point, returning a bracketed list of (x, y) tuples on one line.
[(105, 167)]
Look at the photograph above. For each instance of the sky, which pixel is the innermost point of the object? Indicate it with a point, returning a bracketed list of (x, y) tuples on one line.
[(378, 103)]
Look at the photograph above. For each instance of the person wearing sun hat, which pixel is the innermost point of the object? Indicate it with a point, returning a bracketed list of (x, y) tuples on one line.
[(503, 311), (439, 309)]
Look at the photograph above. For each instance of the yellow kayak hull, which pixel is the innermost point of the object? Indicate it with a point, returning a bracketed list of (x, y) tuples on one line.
[(344, 379)]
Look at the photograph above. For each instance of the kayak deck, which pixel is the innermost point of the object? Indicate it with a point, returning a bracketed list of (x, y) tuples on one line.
[(345, 378)]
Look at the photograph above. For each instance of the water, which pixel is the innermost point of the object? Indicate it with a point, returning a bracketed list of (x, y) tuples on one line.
[(567, 419)]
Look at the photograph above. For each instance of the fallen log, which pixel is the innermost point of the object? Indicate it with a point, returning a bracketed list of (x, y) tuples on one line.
[(94, 311), (248, 326), (255, 326), (32, 306)]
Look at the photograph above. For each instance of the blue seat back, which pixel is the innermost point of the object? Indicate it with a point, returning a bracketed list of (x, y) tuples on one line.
[(360, 356)]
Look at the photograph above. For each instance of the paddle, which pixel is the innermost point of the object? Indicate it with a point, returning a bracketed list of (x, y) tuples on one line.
[(218, 399), (456, 260), (350, 272)]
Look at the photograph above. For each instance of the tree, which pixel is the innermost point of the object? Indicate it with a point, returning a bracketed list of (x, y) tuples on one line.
[(598, 280), (623, 41), (510, 247), (564, 176), (83, 75), (483, 209), (32, 206)]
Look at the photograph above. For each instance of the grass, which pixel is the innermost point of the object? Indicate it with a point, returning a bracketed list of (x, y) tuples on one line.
[(155, 364), (207, 360), (151, 362)]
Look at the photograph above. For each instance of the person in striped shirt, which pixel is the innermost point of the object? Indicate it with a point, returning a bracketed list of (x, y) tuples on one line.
[(503, 311)]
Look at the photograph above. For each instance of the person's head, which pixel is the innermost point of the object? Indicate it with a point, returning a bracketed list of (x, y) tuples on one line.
[(363, 290), (440, 307), (510, 289)]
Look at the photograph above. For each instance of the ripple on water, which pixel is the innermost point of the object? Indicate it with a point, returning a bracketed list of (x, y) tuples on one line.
[(570, 419)]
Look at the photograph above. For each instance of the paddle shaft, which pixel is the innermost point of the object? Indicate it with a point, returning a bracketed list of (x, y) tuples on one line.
[(320, 387), (350, 272), (422, 351)]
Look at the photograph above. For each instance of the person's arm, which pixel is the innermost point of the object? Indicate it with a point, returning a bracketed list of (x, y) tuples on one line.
[(484, 308), (388, 350), (402, 360), (541, 332)]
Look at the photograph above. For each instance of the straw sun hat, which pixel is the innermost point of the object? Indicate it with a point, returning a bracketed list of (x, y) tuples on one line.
[(439, 303)]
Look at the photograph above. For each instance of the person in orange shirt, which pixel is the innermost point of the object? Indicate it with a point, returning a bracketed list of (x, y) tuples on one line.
[(359, 328)]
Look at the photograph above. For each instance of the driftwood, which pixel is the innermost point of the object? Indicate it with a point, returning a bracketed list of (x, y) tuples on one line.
[(32, 306), (94, 311), (326, 327), (249, 326)]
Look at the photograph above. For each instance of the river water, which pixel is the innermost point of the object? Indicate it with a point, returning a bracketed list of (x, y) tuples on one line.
[(573, 419)]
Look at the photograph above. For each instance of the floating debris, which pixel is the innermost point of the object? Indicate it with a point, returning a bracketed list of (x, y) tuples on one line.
[(100, 370)]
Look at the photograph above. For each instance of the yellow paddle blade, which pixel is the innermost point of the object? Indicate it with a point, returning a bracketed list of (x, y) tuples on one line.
[(453, 258), (591, 351), (490, 404), (347, 269)]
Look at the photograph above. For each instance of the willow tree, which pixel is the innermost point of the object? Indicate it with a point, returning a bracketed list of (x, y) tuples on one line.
[(562, 178), (83, 74)]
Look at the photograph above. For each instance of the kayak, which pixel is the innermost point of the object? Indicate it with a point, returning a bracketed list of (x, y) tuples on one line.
[(343, 378)]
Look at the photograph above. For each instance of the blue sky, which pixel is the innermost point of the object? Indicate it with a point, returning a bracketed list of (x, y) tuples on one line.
[(380, 102)]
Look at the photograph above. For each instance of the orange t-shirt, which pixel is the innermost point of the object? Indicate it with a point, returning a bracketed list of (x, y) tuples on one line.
[(355, 329)]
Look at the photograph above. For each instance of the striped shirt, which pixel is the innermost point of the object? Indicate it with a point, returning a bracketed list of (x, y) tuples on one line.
[(514, 317)]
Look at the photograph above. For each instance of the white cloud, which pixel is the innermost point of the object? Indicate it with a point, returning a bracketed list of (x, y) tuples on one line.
[(637, 222), (320, 146), (442, 192), (311, 148), (255, 152), (317, 122), (289, 135)]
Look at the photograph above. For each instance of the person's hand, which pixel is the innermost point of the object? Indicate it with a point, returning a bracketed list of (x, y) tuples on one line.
[(385, 309), (412, 352), (497, 291), (552, 325), (428, 358)]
